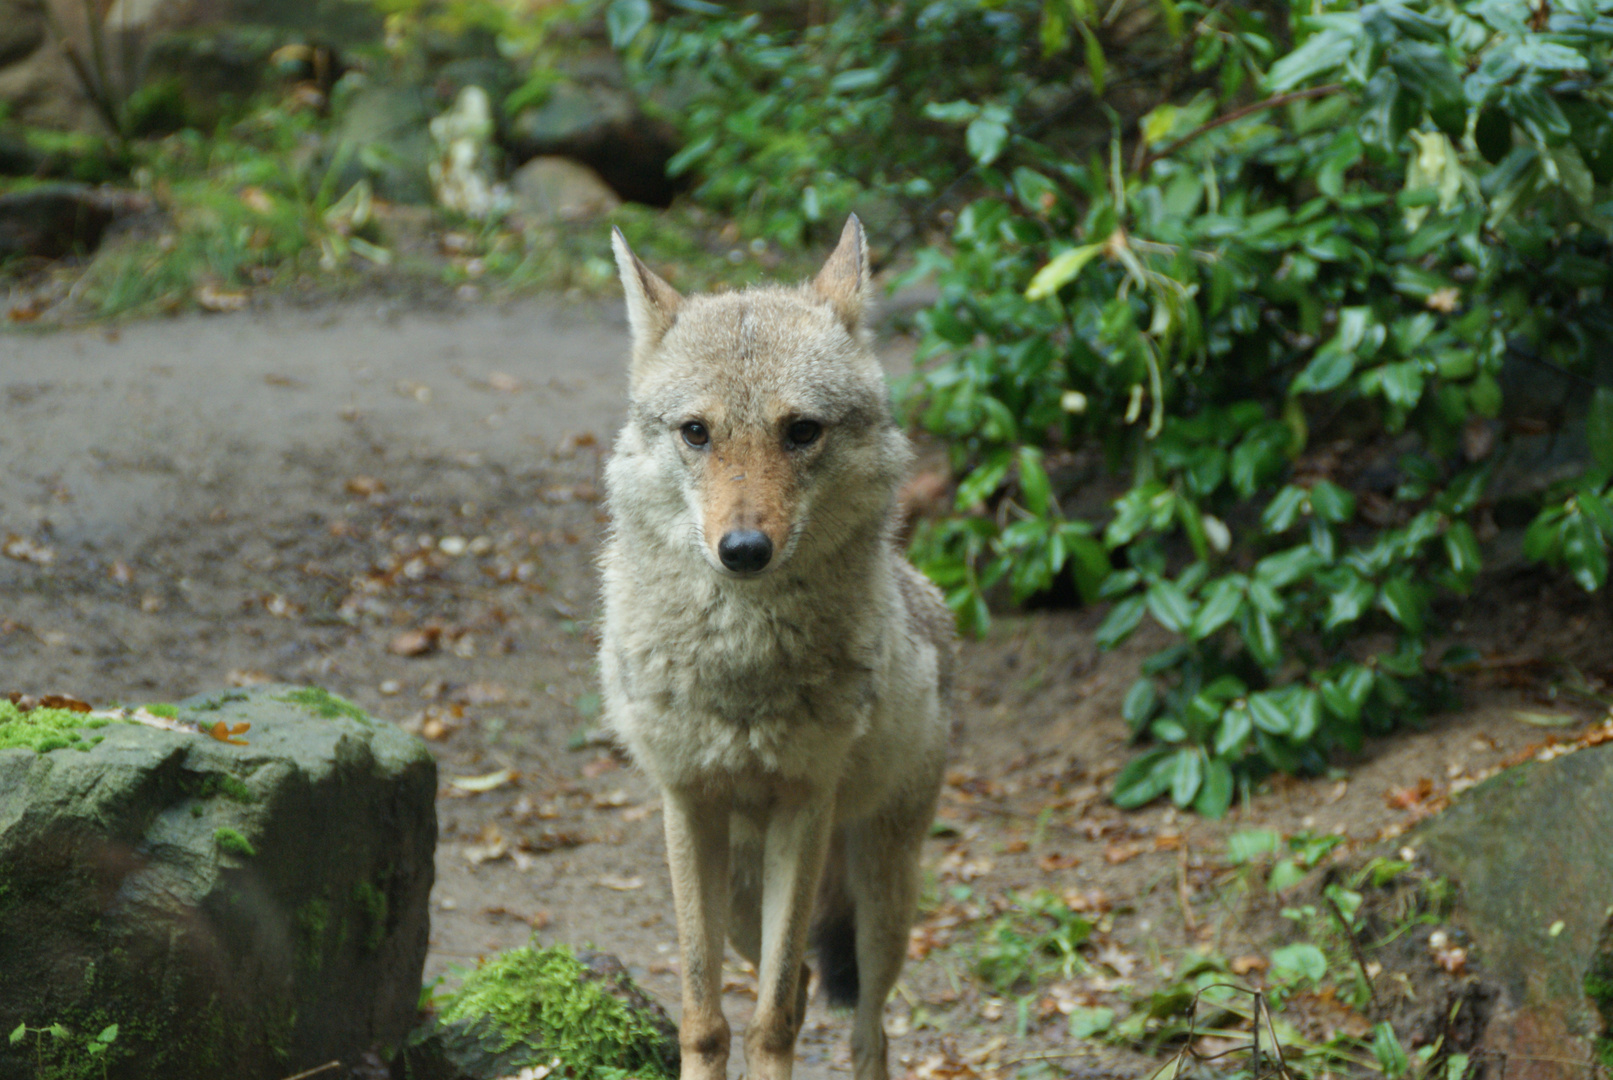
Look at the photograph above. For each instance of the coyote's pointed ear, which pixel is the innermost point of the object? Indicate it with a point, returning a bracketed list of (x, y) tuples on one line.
[(652, 304), (843, 281)]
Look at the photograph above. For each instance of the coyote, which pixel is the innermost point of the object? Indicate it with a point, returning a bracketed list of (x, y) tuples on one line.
[(767, 654)]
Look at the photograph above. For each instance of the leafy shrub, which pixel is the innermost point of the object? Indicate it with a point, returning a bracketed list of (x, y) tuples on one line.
[(1289, 325), (789, 124)]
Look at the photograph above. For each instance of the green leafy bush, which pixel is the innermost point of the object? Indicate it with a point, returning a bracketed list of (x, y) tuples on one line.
[(1287, 325), (790, 123)]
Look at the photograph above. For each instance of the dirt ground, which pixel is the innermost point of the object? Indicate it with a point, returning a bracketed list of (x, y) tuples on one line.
[(403, 507)]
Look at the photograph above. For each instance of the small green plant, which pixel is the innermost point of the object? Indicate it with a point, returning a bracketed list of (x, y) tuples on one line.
[(1038, 939), (65, 1040)]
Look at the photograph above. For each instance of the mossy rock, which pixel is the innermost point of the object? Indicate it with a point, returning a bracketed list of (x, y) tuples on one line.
[(532, 1006), (1528, 853), (236, 910)]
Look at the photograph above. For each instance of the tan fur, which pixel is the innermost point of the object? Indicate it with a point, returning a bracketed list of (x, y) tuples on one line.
[(793, 717)]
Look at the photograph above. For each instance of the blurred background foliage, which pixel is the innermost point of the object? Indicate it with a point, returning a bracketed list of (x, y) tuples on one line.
[(1272, 323)]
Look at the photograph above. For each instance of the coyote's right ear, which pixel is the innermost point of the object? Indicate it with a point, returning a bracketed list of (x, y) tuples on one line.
[(652, 304)]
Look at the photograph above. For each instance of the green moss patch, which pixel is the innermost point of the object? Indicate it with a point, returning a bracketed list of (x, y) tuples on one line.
[(44, 730), (548, 1001), (372, 901), (313, 919), (324, 704), (233, 842)]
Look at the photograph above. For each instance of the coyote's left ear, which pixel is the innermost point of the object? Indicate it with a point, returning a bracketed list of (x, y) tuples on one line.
[(652, 304), (843, 281)]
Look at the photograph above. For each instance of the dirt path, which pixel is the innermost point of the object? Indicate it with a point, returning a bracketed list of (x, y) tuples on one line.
[(403, 508)]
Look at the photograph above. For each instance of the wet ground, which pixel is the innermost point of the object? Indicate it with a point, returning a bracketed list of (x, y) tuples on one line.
[(404, 508)]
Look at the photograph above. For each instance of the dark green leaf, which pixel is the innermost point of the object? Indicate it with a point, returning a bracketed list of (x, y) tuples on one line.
[(1348, 600), (1347, 695), (1283, 509), (1033, 482), (1120, 622), (1285, 567), (1187, 773), (1170, 605), (1332, 503), (1307, 714), (1138, 708), (1403, 601), (1462, 549), (856, 79), (1328, 369), (1233, 731), (1250, 844), (986, 137), (1599, 427), (1215, 796), (1585, 552), (1143, 779), (624, 19), (1261, 637), (1386, 1048), (1219, 603), (1269, 714)]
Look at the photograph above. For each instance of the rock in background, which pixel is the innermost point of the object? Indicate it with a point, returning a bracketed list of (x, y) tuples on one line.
[(237, 910), (1530, 855)]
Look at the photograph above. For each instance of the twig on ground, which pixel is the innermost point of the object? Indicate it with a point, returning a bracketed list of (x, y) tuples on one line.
[(315, 1071)]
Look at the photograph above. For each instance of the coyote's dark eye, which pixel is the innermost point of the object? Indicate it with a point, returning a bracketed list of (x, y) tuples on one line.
[(695, 434), (804, 432)]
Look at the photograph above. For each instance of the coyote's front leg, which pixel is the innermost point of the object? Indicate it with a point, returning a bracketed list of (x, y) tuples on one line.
[(697, 853), (795, 844)]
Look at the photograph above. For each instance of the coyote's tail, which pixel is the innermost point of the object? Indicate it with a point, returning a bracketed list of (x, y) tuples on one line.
[(835, 940)]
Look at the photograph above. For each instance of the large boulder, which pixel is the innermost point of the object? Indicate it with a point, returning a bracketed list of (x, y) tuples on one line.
[(246, 908), (559, 189), (1528, 851), (590, 115)]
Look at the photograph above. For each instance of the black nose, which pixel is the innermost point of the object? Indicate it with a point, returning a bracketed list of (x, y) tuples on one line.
[(745, 551)]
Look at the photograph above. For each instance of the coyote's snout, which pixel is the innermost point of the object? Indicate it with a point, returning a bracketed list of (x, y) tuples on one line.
[(749, 487), (767, 654)]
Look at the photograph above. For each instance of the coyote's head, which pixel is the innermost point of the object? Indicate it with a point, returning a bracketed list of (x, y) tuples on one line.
[(760, 425)]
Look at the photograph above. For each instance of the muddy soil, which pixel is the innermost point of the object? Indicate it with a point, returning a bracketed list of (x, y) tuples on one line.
[(404, 508)]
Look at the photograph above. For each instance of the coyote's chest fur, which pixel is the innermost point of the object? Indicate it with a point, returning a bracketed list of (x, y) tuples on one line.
[(739, 678)]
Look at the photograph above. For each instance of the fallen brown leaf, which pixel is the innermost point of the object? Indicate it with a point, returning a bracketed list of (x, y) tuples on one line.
[(1249, 965)]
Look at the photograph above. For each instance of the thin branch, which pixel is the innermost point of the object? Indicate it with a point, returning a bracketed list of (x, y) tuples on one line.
[(1233, 116), (316, 1070)]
